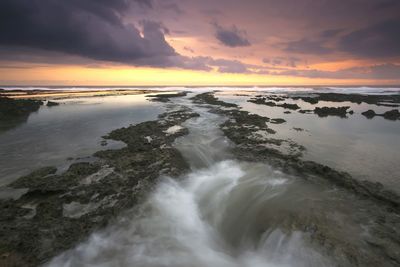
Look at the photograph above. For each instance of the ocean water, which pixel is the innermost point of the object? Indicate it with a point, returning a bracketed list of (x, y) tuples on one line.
[(368, 149), (224, 212), (74, 129), (229, 213)]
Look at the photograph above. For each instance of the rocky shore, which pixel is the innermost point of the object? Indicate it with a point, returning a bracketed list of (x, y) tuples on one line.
[(14, 112), (383, 206), (379, 100), (59, 210), (389, 115), (240, 127), (342, 112)]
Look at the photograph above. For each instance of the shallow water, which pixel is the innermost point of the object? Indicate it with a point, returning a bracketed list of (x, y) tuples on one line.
[(72, 129), (226, 213), (368, 149), (205, 219)]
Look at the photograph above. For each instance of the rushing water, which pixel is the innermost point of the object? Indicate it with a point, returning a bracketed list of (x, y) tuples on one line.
[(225, 213)]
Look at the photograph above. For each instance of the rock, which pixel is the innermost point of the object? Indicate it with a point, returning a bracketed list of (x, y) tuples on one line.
[(392, 115), (262, 101), (369, 114), (289, 106), (60, 210), (305, 111), (211, 100), (52, 104), (380, 100), (16, 111), (389, 115), (298, 129), (331, 111), (277, 121), (166, 97)]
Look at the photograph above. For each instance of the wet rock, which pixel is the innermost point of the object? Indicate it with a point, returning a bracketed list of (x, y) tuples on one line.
[(103, 142), (16, 111), (249, 149), (211, 100), (17, 107), (389, 115), (306, 111), (392, 115), (262, 101), (298, 129), (289, 106), (60, 210), (369, 114), (250, 131), (380, 100), (32, 179), (277, 121), (52, 104), (276, 98), (166, 97), (331, 111), (376, 242)]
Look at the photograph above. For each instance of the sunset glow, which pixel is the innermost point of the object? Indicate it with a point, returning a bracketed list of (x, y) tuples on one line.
[(209, 43)]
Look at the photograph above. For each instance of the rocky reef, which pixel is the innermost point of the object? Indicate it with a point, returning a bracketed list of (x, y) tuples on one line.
[(239, 128), (166, 97), (52, 104), (263, 101), (250, 131), (383, 205), (332, 111), (60, 210), (16, 111), (379, 100), (389, 115)]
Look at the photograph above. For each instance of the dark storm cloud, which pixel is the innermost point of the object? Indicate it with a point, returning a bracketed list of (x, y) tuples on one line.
[(330, 33), (92, 29), (231, 36), (306, 46), (387, 4), (378, 40)]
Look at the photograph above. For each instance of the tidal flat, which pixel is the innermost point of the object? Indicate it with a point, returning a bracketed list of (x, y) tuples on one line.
[(200, 177)]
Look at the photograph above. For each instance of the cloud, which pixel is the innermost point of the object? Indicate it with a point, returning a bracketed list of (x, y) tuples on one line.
[(91, 29), (282, 61), (376, 41), (315, 45), (386, 71), (231, 37), (330, 33), (382, 5), (172, 6), (230, 66), (306, 46)]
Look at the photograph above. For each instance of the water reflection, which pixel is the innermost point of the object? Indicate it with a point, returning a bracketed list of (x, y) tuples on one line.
[(366, 148), (72, 129)]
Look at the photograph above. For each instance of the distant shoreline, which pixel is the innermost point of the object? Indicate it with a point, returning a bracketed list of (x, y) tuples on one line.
[(63, 94), (55, 87)]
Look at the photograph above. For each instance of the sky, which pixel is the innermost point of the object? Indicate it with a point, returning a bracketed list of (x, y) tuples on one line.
[(200, 42)]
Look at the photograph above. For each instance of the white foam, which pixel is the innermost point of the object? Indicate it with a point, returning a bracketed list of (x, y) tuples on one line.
[(174, 129)]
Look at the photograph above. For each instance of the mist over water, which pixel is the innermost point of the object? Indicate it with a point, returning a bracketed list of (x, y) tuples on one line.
[(223, 213)]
